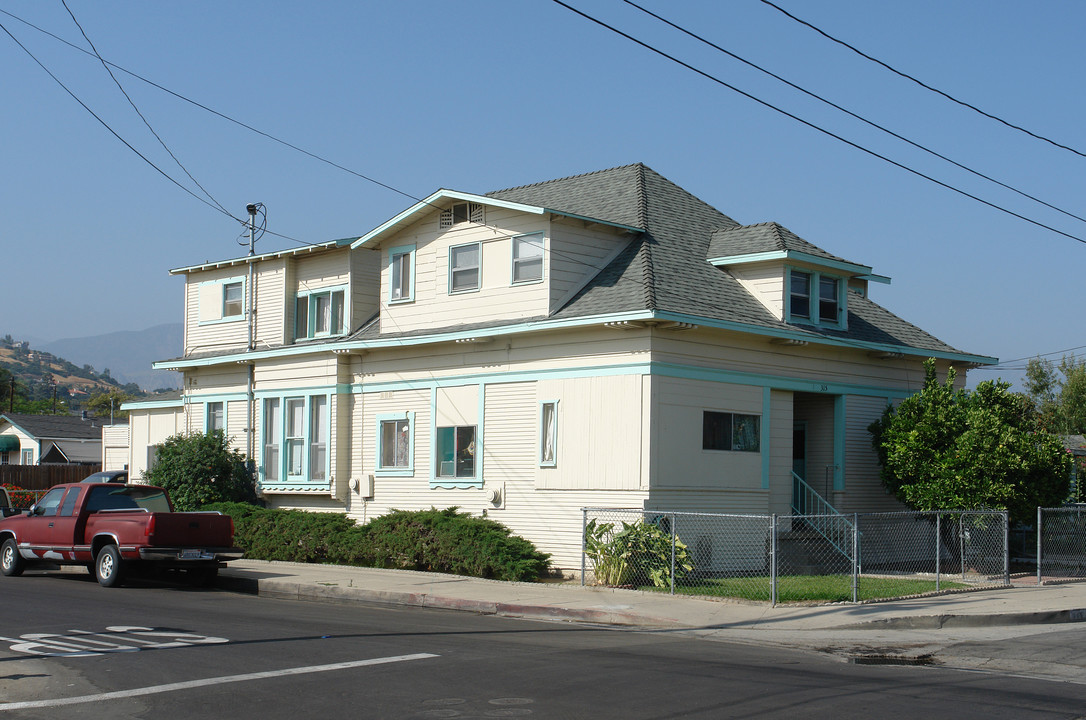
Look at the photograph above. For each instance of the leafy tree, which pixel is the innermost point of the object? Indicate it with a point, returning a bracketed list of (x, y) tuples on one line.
[(947, 449), (1059, 393), (200, 468), (104, 402)]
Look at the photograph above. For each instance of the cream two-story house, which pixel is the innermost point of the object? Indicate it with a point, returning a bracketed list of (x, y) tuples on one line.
[(603, 340)]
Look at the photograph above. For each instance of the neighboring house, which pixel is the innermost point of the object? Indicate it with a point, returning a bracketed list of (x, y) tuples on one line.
[(1076, 446), (604, 340), (115, 444), (49, 440)]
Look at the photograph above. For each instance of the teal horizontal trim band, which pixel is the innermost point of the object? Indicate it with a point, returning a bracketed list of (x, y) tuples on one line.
[(797, 255), (311, 390), (216, 397)]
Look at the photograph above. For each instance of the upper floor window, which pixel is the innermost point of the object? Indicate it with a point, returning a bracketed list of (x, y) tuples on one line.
[(815, 297), (464, 266), (221, 300), (528, 258), (401, 273), (461, 213), (233, 302), (319, 313)]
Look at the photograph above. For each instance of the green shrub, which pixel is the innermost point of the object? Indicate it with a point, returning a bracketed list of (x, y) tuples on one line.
[(444, 541), (200, 468), (639, 553)]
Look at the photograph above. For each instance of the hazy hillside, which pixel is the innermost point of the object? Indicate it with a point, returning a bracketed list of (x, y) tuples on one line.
[(127, 354)]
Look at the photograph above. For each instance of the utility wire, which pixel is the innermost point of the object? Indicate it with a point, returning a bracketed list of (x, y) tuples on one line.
[(142, 117), (937, 91), (811, 125), (852, 114)]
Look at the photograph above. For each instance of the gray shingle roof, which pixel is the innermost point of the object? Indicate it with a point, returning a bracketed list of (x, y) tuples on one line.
[(57, 426), (760, 238)]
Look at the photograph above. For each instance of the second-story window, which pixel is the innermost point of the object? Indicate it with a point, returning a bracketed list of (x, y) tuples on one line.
[(401, 274), (528, 258), (318, 314), (464, 264), (816, 297), (799, 299), (828, 292), (233, 301)]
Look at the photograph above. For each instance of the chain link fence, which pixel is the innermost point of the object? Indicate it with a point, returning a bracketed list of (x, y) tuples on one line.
[(793, 558), (1061, 543)]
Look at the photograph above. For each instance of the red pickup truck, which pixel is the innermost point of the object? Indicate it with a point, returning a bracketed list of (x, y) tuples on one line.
[(110, 527)]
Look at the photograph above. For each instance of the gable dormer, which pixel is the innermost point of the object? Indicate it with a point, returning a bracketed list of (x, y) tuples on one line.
[(797, 281)]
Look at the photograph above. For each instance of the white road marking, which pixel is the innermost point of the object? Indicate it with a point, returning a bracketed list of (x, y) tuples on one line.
[(191, 684)]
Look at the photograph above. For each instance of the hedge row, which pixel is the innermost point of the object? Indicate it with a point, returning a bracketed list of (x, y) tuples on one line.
[(445, 541)]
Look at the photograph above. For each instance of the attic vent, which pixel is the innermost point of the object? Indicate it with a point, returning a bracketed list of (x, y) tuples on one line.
[(460, 213)]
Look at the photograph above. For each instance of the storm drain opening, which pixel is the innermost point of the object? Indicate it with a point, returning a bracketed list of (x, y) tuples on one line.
[(891, 660)]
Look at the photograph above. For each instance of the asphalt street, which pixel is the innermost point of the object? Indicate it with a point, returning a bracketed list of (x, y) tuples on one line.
[(72, 649)]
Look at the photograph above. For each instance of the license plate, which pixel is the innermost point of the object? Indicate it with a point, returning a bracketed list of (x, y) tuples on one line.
[(192, 555)]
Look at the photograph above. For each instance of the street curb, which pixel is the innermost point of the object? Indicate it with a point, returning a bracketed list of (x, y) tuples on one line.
[(288, 590), (937, 622)]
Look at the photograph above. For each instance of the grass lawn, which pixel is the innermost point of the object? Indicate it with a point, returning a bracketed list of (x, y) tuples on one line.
[(808, 588)]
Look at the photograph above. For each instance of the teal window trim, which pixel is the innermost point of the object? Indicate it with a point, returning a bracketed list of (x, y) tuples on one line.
[(303, 441), (395, 470), (840, 407), (405, 256), (548, 436), (222, 284), (767, 405), (478, 268), (306, 312), (516, 261), (439, 482), (814, 299)]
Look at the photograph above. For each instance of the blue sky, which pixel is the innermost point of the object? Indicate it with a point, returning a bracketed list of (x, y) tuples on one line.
[(482, 95)]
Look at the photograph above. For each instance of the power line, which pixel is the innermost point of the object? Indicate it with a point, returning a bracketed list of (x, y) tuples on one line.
[(141, 115), (922, 84), (811, 125), (852, 114)]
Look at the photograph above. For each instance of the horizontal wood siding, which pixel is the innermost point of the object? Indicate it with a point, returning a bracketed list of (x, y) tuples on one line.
[(576, 254), (271, 301), (365, 286), (864, 491), (765, 282), (321, 270)]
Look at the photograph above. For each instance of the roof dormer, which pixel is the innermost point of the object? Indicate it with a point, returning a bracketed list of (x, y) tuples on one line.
[(797, 281)]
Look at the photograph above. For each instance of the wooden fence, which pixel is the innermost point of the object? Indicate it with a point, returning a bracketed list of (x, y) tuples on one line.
[(43, 477)]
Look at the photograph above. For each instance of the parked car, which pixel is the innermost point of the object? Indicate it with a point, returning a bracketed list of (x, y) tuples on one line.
[(113, 528), (107, 476)]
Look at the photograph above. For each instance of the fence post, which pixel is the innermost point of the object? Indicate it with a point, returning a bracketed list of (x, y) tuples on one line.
[(674, 519), (773, 560), (855, 556), (1039, 516), (584, 532), (1006, 548), (938, 543), (961, 544)]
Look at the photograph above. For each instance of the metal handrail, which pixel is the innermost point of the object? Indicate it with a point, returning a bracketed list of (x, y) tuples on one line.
[(823, 518)]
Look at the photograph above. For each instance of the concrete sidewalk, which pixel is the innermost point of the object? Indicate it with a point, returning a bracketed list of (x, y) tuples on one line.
[(1001, 607)]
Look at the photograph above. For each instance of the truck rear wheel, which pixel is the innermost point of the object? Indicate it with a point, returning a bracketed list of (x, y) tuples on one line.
[(108, 567), (11, 562)]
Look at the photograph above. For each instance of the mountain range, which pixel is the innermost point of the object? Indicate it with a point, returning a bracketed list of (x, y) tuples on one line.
[(127, 354)]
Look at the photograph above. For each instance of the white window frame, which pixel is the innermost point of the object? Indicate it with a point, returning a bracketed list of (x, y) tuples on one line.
[(477, 268), (239, 301), (311, 445), (407, 470), (534, 240), (405, 256), (209, 411), (814, 299), (548, 441), (305, 322)]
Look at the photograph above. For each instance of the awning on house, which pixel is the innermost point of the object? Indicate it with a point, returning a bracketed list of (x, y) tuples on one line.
[(8, 443)]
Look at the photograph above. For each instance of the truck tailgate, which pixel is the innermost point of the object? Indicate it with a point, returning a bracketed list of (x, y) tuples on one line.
[(196, 530)]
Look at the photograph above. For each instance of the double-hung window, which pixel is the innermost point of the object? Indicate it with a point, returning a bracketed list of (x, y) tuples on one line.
[(319, 313), (456, 452), (730, 431), (318, 437), (464, 267), (216, 417), (273, 424), (233, 300), (221, 300), (815, 297), (395, 450), (295, 438), (528, 258), (401, 274)]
